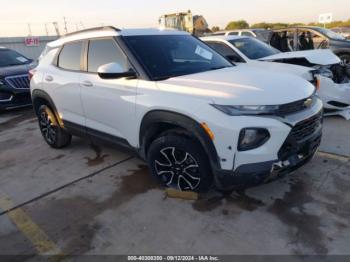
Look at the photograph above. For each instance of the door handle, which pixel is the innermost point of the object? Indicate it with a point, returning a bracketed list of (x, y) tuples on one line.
[(49, 78), (87, 83)]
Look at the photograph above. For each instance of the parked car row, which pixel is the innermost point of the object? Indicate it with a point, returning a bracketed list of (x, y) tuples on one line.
[(308, 38), (195, 117), (321, 67), (298, 39)]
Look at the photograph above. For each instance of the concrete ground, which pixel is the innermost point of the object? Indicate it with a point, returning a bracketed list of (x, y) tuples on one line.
[(98, 200)]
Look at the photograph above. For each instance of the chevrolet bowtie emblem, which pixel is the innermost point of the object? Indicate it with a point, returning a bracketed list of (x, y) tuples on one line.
[(308, 102)]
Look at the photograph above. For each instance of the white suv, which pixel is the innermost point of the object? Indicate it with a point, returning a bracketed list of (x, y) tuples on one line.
[(194, 117)]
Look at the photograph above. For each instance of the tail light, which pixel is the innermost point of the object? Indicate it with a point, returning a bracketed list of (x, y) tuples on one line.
[(31, 73)]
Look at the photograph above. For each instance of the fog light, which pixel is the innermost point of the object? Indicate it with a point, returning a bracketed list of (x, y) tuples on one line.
[(251, 138)]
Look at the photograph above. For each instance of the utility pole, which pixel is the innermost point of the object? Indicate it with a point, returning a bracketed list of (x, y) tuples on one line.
[(29, 30), (65, 25), (55, 24), (47, 31)]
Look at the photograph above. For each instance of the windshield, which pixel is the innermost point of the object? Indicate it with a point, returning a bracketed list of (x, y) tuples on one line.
[(331, 34), (11, 58), (165, 56), (253, 49)]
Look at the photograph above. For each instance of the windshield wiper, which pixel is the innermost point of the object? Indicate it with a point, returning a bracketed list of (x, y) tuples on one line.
[(218, 67), (160, 78)]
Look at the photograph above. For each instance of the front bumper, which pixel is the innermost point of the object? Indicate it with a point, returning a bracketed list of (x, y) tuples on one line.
[(13, 98), (295, 152)]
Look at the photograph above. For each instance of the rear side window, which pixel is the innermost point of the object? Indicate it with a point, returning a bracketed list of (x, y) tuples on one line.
[(70, 55), (105, 51)]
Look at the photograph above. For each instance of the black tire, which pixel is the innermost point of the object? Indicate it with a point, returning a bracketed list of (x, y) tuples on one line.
[(179, 162), (345, 58), (53, 134)]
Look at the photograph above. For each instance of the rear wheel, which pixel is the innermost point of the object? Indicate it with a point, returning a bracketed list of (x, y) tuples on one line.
[(51, 131), (179, 162)]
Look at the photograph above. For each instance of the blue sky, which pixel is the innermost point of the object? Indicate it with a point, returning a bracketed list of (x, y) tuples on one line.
[(15, 14)]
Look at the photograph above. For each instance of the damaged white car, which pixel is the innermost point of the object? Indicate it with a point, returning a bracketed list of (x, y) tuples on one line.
[(330, 76)]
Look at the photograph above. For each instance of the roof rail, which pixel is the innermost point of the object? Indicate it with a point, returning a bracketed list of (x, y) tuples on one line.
[(101, 28)]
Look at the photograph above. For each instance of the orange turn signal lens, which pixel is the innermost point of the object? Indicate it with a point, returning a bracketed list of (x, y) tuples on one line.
[(208, 131)]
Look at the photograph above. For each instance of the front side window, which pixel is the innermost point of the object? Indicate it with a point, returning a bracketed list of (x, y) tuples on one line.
[(11, 58), (316, 40), (165, 56), (105, 51), (70, 56), (253, 48)]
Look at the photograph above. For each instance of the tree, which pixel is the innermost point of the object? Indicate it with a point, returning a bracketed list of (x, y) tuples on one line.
[(215, 28), (262, 25), (240, 24)]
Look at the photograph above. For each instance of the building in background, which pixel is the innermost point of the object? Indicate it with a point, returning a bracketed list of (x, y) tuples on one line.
[(30, 46)]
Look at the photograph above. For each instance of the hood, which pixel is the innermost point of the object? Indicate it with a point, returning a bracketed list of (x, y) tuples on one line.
[(14, 70), (301, 71), (341, 43), (317, 57), (240, 85)]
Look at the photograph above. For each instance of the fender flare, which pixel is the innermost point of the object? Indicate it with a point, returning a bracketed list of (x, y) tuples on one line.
[(152, 120), (40, 94)]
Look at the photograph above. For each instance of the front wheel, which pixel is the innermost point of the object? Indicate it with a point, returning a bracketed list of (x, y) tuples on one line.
[(51, 131), (179, 162), (345, 58)]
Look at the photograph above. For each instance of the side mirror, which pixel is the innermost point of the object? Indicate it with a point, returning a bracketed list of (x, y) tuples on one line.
[(114, 71), (233, 58)]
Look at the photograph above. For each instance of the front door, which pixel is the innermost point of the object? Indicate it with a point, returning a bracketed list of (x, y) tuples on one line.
[(109, 104)]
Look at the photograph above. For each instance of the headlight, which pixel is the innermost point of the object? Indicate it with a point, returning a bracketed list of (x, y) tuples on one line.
[(251, 138), (247, 110), (2, 82)]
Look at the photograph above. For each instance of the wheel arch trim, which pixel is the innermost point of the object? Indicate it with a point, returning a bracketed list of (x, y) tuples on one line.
[(40, 94), (152, 119)]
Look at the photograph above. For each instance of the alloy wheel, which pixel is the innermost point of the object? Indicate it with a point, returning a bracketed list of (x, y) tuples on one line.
[(177, 169), (47, 128)]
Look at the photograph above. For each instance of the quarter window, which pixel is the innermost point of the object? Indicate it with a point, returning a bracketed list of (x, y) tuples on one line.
[(105, 51), (70, 55)]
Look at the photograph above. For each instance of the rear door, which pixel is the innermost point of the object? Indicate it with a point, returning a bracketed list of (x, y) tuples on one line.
[(62, 83), (109, 104)]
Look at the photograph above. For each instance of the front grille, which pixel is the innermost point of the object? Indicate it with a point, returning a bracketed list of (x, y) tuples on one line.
[(18, 81), (292, 108), (306, 128), (303, 138)]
